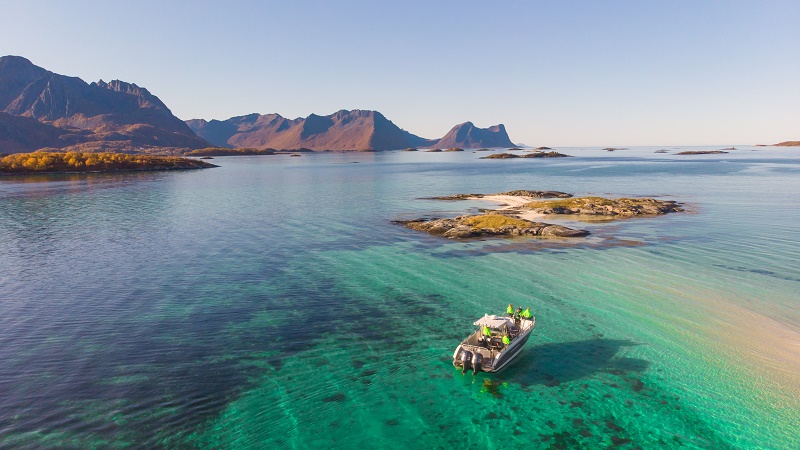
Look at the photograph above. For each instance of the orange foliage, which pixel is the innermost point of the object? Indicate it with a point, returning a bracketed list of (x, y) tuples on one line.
[(94, 162)]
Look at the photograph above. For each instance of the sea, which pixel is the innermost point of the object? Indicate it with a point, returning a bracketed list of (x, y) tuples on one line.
[(273, 302)]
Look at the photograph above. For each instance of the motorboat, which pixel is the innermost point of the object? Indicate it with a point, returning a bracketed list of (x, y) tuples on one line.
[(483, 353)]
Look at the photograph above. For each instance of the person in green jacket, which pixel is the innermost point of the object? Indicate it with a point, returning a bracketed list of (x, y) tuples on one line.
[(486, 332), (526, 314), (506, 339), (510, 310)]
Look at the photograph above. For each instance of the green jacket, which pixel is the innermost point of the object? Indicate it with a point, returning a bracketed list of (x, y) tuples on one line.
[(510, 310), (506, 340), (527, 313), (486, 331)]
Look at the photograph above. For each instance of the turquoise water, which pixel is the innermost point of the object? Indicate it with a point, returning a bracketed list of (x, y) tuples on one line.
[(270, 303)]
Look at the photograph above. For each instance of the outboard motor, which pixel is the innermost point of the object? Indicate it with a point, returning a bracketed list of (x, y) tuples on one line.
[(477, 359), (466, 361)]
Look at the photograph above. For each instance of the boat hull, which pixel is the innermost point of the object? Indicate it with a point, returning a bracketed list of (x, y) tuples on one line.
[(493, 361)]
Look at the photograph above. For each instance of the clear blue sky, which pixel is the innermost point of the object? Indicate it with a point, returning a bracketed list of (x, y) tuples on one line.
[(556, 73)]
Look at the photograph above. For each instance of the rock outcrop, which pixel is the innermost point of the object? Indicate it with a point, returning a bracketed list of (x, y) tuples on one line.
[(535, 154), (466, 227), (515, 193), (598, 206), (788, 144)]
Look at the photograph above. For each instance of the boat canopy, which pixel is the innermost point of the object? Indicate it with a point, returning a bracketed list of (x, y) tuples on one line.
[(494, 322)]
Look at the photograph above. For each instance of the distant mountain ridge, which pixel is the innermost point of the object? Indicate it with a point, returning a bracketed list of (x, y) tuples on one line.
[(42, 109), (103, 112), (467, 135), (342, 130)]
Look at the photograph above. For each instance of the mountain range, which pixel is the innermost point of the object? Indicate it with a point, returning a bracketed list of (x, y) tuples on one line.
[(40, 109), (342, 130)]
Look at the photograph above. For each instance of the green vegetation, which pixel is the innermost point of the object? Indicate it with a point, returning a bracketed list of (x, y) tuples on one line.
[(51, 162), (219, 151), (580, 202), (495, 221)]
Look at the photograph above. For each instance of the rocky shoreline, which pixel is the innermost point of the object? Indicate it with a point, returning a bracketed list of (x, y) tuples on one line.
[(485, 225)]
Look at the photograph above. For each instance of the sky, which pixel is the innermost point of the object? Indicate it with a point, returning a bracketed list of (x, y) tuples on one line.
[(556, 73)]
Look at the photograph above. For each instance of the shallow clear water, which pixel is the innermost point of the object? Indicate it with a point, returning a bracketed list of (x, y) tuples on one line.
[(271, 303)]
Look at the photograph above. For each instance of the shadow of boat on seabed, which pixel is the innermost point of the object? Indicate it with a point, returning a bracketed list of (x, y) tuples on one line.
[(556, 363)]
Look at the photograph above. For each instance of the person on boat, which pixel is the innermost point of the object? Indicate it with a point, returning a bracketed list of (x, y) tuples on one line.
[(510, 310), (506, 340), (517, 314), (526, 314), (486, 332)]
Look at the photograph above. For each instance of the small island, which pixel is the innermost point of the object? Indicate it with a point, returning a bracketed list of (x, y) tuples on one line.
[(70, 162), (788, 144), (534, 154), (701, 152), (521, 211)]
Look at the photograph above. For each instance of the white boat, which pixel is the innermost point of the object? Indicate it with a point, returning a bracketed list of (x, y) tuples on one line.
[(484, 354)]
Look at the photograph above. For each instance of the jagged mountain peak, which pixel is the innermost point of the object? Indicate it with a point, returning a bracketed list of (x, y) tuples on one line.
[(116, 110), (467, 135)]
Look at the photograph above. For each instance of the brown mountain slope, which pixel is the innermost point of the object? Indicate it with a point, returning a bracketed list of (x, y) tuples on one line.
[(342, 130), (22, 134), (114, 111)]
